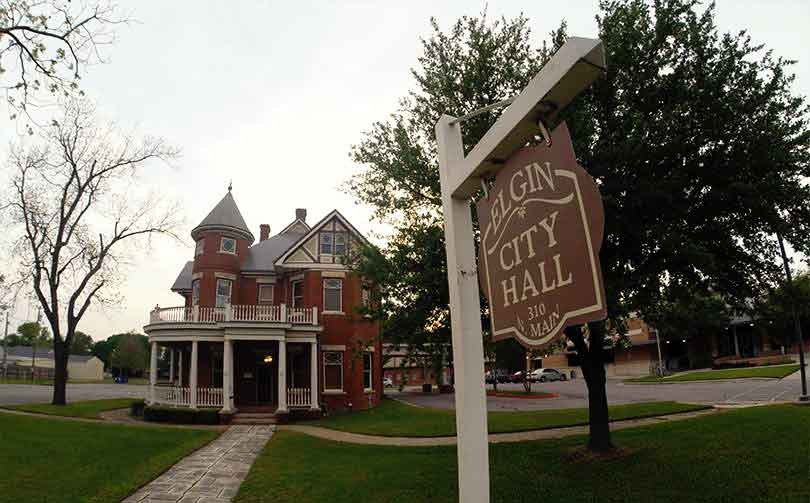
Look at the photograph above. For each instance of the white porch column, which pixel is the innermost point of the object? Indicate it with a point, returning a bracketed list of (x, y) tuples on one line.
[(180, 358), (282, 376), (193, 375), (227, 370), (171, 366), (313, 376), (152, 372)]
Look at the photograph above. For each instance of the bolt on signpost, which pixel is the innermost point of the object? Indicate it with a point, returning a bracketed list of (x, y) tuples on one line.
[(573, 68)]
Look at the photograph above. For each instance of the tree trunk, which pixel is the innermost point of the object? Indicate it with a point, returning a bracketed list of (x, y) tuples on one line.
[(593, 370), (60, 376), (599, 426)]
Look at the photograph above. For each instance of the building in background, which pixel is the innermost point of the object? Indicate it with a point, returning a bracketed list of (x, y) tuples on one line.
[(21, 359)]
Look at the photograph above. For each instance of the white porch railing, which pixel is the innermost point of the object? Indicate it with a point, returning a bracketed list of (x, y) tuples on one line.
[(257, 313), (209, 397), (299, 397), (179, 396)]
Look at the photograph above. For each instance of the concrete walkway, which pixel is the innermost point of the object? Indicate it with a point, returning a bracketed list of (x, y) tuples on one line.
[(211, 474), (495, 438)]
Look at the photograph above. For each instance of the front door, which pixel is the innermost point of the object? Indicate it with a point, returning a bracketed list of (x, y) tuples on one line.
[(256, 374), (266, 375)]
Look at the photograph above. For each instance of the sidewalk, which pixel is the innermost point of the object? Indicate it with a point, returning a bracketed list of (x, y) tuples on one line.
[(495, 438), (213, 473)]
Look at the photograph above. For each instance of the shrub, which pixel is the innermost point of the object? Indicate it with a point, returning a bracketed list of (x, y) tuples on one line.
[(160, 414), (136, 408)]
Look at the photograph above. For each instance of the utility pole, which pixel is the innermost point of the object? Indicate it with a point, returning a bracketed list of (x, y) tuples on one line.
[(660, 360), (797, 326)]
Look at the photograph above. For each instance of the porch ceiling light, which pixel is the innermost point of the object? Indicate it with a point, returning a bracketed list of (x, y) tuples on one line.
[(268, 359)]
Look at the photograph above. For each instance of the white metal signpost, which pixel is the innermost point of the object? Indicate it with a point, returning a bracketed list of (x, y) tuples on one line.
[(573, 68)]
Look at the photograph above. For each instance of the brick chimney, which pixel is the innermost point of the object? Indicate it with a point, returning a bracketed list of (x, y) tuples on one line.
[(301, 214), (264, 232)]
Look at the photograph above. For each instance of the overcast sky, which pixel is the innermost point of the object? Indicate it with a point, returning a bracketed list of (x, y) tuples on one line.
[(272, 95)]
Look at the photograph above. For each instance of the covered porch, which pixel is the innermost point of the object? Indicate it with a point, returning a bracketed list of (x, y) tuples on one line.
[(240, 371)]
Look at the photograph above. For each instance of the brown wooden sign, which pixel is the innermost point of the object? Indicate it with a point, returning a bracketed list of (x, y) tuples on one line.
[(541, 230)]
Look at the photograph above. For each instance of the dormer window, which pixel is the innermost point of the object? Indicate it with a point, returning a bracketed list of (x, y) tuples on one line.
[(198, 250), (228, 245)]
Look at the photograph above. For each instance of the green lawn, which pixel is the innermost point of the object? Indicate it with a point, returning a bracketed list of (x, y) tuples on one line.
[(756, 454), (54, 460), (88, 408), (397, 419), (775, 371)]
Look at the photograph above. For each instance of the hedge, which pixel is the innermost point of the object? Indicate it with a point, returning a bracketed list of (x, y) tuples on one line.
[(136, 408), (161, 414)]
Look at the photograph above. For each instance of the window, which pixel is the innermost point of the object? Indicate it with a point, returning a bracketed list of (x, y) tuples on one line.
[(228, 245), (265, 294), (333, 370), (340, 243), (216, 368), (333, 243), (223, 292), (326, 243), (297, 293), (332, 295), (368, 363), (195, 292), (365, 297), (198, 250)]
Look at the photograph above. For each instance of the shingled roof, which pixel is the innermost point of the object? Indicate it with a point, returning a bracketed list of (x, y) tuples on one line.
[(224, 217)]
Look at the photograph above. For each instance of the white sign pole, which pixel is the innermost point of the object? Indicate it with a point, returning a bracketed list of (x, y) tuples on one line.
[(579, 62), (465, 306)]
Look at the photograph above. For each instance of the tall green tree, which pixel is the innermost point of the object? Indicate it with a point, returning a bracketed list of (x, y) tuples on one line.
[(130, 353), (694, 137), (82, 344)]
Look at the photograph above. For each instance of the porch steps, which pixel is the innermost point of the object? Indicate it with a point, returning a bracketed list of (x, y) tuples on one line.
[(254, 418)]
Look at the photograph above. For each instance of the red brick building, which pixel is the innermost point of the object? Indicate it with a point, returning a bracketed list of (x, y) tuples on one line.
[(272, 325)]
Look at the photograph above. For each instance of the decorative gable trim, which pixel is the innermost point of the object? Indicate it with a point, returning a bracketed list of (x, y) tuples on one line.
[(293, 223), (334, 214)]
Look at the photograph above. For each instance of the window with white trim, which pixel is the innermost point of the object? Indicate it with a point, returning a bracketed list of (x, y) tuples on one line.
[(368, 365), (195, 292), (198, 249), (333, 295), (223, 291), (227, 245), (333, 370), (297, 288), (265, 294)]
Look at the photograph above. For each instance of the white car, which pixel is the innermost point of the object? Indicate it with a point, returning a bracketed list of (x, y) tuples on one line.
[(543, 375), (388, 382)]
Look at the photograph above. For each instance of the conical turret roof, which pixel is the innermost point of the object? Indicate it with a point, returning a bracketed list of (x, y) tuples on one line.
[(224, 217)]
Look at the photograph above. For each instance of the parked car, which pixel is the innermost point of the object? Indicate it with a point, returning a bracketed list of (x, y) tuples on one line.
[(543, 375), (517, 376), (388, 382), (500, 375)]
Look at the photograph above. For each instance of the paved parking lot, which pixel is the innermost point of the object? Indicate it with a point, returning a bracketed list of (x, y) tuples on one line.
[(12, 394), (575, 393)]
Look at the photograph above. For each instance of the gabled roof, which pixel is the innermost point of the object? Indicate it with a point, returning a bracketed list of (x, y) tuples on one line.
[(224, 217), (183, 281), (315, 228)]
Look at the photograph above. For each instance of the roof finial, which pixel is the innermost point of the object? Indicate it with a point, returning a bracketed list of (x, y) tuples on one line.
[(230, 185)]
